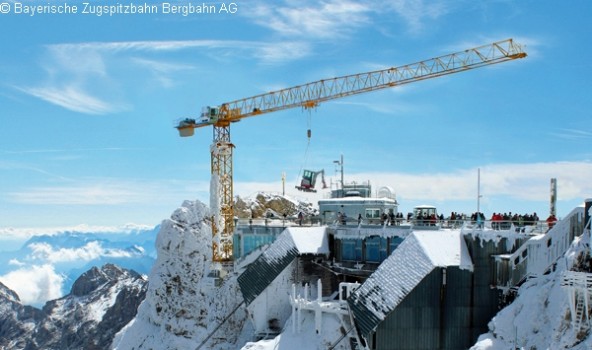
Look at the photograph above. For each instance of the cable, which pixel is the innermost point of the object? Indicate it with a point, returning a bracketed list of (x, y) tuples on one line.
[(308, 135)]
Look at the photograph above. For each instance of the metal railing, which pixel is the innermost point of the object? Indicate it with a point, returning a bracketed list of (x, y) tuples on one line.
[(539, 254)]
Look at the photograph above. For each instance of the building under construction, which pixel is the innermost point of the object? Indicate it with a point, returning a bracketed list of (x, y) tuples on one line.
[(401, 286)]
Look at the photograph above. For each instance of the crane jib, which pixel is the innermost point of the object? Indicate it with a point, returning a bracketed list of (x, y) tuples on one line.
[(310, 95)]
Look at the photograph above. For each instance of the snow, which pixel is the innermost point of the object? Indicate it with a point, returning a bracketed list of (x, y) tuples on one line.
[(307, 338), (404, 269), (280, 248), (307, 240), (97, 309), (445, 248), (310, 240), (181, 307), (395, 277), (496, 236), (180, 311), (273, 302), (539, 318)]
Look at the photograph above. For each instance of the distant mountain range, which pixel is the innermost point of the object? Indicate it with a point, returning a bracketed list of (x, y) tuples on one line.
[(101, 302), (51, 263), (46, 265)]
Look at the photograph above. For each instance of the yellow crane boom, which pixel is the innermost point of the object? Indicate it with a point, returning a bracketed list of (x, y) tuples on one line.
[(311, 95)]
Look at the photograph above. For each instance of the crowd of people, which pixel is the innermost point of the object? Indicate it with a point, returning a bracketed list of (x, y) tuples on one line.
[(504, 221), (499, 221)]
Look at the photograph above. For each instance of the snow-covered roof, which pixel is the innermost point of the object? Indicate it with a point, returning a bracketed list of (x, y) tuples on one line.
[(425, 206), (445, 248), (292, 242), (357, 200), (399, 274), (309, 240)]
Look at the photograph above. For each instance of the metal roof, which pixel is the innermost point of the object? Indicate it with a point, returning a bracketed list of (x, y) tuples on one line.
[(291, 243), (399, 274)]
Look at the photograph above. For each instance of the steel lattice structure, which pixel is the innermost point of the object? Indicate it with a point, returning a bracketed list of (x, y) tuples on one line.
[(310, 95)]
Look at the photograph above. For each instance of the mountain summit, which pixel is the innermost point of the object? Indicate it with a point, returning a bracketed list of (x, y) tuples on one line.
[(101, 302)]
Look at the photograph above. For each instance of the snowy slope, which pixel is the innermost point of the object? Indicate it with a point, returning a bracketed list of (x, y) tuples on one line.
[(539, 318)]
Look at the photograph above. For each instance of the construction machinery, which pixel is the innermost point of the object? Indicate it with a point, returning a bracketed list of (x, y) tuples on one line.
[(309, 180), (308, 96)]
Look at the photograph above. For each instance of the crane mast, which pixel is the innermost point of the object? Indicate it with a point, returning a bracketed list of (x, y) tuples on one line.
[(310, 95)]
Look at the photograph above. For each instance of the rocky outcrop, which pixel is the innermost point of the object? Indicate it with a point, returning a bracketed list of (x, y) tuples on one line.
[(186, 304), (101, 302), (15, 319), (272, 205)]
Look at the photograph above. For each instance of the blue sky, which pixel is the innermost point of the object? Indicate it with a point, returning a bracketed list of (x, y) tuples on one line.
[(88, 105)]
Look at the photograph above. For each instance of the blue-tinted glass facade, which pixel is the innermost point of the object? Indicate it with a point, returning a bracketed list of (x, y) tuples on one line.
[(246, 243), (394, 243), (351, 249), (376, 249)]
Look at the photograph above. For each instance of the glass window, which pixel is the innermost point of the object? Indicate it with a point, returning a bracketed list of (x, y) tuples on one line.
[(394, 243), (373, 249), (372, 213), (351, 249), (376, 249)]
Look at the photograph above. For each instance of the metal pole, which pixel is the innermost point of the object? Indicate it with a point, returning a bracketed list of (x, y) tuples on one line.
[(478, 190), (553, 199), (342, 174)]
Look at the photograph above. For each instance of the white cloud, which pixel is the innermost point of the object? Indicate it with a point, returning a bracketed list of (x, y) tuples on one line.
[(283, 52), (21, 234), (123, 46), (16, 262), (83, 194), (251, 48), (415, 12), (528, 182), (80, 76), (572, 134), (336, 18), (72, 98), (503, 186), (106, 191), (91, 251), (327, 19), (36, 284)]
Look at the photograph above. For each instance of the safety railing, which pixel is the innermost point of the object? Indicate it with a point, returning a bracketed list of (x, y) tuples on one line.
[(540, 253)]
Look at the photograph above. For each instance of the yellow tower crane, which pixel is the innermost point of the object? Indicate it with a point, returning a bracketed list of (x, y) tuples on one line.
[(309, 95)]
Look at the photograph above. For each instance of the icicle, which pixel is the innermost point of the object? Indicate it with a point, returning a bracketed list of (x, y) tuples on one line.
[(317, 307), (294, 319)]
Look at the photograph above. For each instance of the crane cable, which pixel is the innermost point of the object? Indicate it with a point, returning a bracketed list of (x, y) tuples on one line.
[(308, 136)]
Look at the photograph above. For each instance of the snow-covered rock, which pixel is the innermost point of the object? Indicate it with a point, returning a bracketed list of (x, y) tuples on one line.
[(539, 318), (102, 302), (182, 308), (268, 204)]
